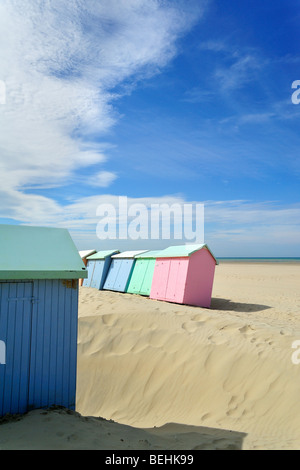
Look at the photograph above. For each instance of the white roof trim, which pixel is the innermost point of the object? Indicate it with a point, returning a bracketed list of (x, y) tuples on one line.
[(128, 254), (86, 253)]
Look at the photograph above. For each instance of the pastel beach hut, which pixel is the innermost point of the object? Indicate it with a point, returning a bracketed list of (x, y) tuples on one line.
[(38, 318), (142, 275), (185, 275), (97, 266), (119, 274), (84, 255)]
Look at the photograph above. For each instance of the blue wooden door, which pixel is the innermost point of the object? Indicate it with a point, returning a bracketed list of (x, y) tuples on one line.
[(112, 274), (90, 268), (53, 344), (97, 274), (38, 325), (15, 331), (106, 267), (124, 273)]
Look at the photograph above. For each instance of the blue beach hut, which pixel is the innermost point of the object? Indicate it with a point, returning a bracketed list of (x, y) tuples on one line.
[(120, 270), (84, 254), (98, 266), (39, 273)]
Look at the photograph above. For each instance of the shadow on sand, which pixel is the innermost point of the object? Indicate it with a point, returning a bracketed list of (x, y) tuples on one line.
[(200, 437), (227, 304)]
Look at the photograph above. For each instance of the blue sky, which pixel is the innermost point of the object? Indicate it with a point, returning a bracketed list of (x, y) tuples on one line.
[(174, 101)]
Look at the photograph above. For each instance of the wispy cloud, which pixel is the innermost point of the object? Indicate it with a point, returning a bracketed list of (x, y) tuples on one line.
[(247, 213), (239, 228), (102, 179), (231, 227), (241, 72), (198, 95), (60, 62)]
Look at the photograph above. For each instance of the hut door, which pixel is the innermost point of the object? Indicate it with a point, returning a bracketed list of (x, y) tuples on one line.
[(161, 279), (148, 276), (177, 280), (97, 274), (138, 276), (91, 266), (112, 274), (123, 274), (15, 329)]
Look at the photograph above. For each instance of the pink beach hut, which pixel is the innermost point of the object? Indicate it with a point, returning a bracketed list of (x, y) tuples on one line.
[(185, 275)]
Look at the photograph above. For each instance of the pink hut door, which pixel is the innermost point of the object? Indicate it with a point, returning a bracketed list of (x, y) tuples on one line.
[(177, 280), (160, 280)]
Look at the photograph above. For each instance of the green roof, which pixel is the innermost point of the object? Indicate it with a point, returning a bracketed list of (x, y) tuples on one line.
[(149, 254), (102, 254), (38, 253), (183, 251)]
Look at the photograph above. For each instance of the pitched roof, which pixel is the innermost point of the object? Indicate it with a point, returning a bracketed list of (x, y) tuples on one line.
[(148, 254), (128, 254), (85, 253), (102, 254), (183, 251), (38, 253)]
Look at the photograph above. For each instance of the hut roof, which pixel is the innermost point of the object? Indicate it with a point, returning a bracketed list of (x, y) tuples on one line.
[(128, 254), (86, 253), (38, 253), (102, 254), (148, 254), (183, 251)]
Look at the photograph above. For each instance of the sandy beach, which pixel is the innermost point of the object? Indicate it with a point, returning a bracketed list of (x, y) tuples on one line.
[(156, 375)]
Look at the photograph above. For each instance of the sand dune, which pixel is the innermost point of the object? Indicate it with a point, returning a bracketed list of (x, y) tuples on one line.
[(173, 376), (66, 430)]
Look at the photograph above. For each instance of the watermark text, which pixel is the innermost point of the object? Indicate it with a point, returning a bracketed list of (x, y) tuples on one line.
[(296, 94), (296, 354), (2, 92), (150, 222), (2, 353)]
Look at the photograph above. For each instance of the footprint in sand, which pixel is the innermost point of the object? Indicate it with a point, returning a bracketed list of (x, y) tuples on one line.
[(218, 339), (247, 329), (205, 416), (229, 328), (198, 317), (191, 326), (109, 320)]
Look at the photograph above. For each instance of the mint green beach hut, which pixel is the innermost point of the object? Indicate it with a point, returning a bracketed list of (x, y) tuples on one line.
[(141, 280)]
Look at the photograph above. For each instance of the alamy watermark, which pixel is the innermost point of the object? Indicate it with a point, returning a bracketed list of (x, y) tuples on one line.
[(296, 94), (296, 355), (2, 352), (2, 92), (162, 221)]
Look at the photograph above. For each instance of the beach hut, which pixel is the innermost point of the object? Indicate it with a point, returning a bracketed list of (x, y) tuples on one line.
[(39, 272), (98, 265), (142, 274), (184, 274), (120, 270), (84, 255)]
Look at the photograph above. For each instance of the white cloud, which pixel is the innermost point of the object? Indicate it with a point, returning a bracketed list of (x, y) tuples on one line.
[(248, 228), (240, 73), (59, 62), (247, 213), (102, 179), (240, 65), (232, 228)]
